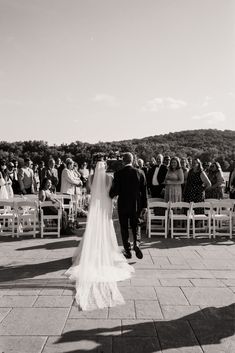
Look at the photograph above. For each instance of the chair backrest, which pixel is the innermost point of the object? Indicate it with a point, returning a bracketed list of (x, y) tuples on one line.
[(201, 207), (50, 204), (6, 205), (162, 204), (180, 207)]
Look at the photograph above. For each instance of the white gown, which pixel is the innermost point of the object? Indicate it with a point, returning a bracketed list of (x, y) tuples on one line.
[(98, 262)]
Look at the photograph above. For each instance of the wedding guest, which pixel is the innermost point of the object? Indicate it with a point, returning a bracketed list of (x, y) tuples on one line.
[(206, 167), (60, 170), (142, 166), (51, 173), (215, 175), (173, 181), (231, 182), (3, 183), (45, 194), (190, 161), (12, 172), (185, 169), (41, 168), (156, 177), (26, 178), (68, 180), (197, 183), (36, 177), (84, 172)]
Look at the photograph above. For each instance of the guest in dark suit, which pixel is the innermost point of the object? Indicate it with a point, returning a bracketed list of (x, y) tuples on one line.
[(129, 185)]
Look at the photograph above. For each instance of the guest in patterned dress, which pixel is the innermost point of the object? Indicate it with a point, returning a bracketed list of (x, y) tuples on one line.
[(215, 175), (173, 181), (197, 183)]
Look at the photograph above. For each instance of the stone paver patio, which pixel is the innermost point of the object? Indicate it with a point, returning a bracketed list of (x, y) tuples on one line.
[(180, 299)]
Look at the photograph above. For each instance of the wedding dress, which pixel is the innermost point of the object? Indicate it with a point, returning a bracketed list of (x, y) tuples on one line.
[(98, 262)]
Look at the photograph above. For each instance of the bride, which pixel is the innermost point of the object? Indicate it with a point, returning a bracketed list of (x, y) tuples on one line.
[(98, 263)]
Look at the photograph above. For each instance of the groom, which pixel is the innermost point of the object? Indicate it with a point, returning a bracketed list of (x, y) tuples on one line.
[(130, 185)]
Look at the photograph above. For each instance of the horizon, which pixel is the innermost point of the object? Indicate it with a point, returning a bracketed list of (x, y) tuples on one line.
[(111, 70)]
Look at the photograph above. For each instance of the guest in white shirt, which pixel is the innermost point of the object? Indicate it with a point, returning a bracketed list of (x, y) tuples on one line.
[(68, 179)]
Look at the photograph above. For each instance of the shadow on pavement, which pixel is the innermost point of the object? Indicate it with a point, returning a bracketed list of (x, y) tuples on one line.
[(156, 336), (53, 246)]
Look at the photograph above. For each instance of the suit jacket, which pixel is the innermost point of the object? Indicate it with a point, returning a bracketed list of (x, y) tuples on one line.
[(68, 182), (129, 184), (160, 175)]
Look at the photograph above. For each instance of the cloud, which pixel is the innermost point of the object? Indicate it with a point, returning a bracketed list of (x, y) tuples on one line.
[(157, 104), (211, 118), (106, 99), (207, 100)]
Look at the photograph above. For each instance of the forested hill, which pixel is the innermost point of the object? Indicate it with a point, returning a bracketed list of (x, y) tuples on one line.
[(205, 144)]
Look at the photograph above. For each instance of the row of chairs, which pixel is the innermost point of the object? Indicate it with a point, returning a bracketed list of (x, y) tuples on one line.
[(21, 215), (210, 218)]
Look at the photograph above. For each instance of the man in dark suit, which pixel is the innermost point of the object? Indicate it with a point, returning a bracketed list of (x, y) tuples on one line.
[(129, 185)]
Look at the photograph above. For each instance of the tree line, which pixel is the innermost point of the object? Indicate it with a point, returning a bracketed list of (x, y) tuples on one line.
[(208, 145)]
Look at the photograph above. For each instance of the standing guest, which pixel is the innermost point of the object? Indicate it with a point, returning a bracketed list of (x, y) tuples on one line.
[(26, 178), (84, 172), (41, 167), (68, 179), (129, 185), (215, 175), (190, 161), (143, 167), (78, 189), (231, 182), (206, 167), (36, 177), (3, 183), (60, 170), (12, 173), (51, 173), (173, 181), (197, 183), (58, 163), (155, 178), (185, 169)]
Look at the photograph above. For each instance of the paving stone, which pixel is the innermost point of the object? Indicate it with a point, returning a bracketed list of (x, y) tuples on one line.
[(139, 282), (138, 293), (175, 335), (215, 335), (93, 327), (208, 296), (51, 291), (176, 282), (126, 311), (23, 291), (170, 296), (34, 321), (75, 313), (229, 282), (53, 302), (207, 282), (223, 274), (4, 312), (27, 344), (184, 274), (71, 342), (136, 345), (14, 301), (175, 312), (138, 328), (148, 309)]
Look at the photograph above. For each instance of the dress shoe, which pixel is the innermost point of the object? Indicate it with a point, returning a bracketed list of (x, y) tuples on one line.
[(138, 252), (127, 254)]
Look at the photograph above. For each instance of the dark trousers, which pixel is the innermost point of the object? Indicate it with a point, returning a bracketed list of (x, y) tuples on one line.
[(156, 190), (125, 219)]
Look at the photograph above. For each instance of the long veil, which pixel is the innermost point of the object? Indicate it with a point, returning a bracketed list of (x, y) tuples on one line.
[(98, 263)]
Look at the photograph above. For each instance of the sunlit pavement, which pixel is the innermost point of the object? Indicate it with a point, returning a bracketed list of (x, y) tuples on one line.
[(180, 299)]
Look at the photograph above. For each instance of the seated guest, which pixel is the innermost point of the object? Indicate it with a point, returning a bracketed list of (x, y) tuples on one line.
[(173, 181), (45, 194), (26, 178), (215, 175)]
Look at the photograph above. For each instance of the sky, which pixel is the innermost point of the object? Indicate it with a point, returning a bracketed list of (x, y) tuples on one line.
[(110, 70)]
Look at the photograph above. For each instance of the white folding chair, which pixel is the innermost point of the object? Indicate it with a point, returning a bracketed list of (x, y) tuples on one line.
[(180, 217), (68, 204), (201, 213), (27, 217), (222, 217), (50, 224), (157, 218), (7, 218)]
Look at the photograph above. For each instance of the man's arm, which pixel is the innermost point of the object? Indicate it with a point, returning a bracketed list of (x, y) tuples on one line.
[(114, 190)]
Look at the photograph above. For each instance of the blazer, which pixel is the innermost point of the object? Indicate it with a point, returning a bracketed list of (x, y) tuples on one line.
[(68, 182), (160, 175), (129, 184)]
